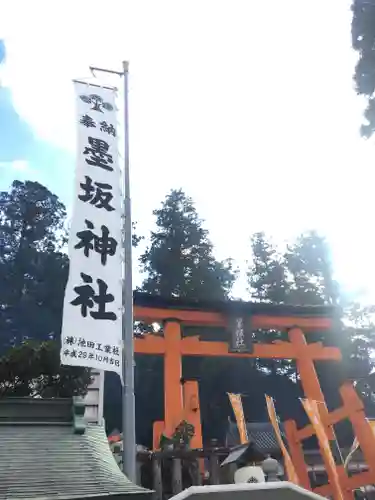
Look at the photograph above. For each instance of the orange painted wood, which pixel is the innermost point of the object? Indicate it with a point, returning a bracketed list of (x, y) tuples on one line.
[(157, 431), (346, 489), (353, 404), (350, 398), (353, 409), (192, 411), (150, 344), (361, 479), (353, 482), (173, 400), (192, 346), (361, 425), (309, 378), (173, 347), (151, 314), (343, 479), (332, 418), (296, 453), (205, 318), (324, 490)]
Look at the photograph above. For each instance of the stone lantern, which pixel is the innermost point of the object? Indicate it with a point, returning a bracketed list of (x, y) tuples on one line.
[(271, 469)]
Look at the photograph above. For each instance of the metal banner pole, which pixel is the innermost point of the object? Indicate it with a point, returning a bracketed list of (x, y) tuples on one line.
[(128, 398)]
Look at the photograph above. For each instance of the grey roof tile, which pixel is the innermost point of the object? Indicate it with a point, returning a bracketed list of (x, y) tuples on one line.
[(44, 462), (259, 433)]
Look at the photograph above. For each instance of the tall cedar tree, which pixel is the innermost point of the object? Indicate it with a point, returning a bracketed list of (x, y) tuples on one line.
[(180, 261), (267, 282), (363, 41)]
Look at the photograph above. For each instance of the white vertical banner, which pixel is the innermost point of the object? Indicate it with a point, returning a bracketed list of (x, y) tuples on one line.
[(92, 318)]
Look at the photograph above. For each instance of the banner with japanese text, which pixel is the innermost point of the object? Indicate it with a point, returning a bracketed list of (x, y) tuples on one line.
[(312, 410), (289, 467), (92, 316), (236, 402)]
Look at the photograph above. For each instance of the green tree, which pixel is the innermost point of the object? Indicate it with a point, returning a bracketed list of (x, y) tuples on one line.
[(267, 277), (301, 275), (306, 278), (358, 349), (268, 282), (308, 265), (33, 369), (33, 270), (363, 41), (33, 266), (180, 260), (179, 263)]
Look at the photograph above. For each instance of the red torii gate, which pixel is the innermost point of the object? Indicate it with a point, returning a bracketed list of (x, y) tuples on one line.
[(239, 318)]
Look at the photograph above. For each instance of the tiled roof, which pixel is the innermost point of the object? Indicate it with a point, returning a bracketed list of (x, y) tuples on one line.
[(259, 433), (48, 458)]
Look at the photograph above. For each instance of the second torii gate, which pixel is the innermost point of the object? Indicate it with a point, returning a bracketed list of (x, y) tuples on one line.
[(239, 319)]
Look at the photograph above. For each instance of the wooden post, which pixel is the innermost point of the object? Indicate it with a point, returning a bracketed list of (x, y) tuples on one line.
[(296, 453), (157, 431), (214, 464), (172, 347), (361, 426), (196, 472), (192, 413), (173, 402), (176, 475), (157, 478), (343, 477), (309, 378), (139, 465)]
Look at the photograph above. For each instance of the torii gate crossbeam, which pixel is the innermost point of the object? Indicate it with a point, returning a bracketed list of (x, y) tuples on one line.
[(174, 314)]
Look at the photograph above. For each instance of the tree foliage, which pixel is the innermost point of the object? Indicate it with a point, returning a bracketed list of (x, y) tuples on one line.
[(267, 280), (180, 260), (31, 262), (302, 275), (363, 41), (33, 369), (33, 273), (31, 218)]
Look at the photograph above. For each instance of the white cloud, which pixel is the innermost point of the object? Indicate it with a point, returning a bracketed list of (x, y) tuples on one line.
[(20, 165), (247, 105), (17, 165)]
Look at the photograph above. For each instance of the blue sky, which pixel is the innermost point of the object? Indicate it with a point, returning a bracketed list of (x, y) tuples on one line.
[(249, 106), (23, 154)]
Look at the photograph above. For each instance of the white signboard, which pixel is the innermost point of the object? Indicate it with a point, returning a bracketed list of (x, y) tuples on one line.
[(92, 323)]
